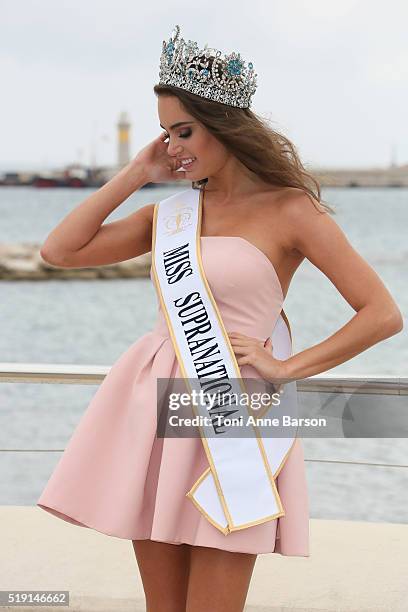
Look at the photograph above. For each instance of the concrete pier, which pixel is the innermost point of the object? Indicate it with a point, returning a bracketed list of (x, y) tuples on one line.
[(22, 261), (353, 567)]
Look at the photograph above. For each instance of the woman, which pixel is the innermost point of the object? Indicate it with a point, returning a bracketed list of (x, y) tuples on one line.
[(261, 216)]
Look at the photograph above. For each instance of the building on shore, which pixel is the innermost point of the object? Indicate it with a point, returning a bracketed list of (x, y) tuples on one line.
[(393, 176), (123, 140)]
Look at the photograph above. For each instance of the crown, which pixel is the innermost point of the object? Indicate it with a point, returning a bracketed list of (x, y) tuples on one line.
[(207, 72)]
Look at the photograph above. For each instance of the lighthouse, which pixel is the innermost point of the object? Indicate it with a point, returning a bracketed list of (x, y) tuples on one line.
[(123, 140)]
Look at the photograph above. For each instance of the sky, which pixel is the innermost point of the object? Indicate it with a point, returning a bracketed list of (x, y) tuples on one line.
[(332, 75)]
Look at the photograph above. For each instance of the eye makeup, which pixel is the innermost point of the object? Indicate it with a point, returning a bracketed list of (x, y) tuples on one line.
[(185, 134)]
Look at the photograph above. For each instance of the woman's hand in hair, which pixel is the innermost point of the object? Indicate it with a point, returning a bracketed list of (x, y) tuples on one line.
[(158, 166)]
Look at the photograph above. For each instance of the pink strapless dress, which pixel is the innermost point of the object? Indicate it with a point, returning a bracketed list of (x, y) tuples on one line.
[(117, 477)]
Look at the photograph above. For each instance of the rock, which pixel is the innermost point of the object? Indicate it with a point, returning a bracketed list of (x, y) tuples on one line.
[(22, 261)]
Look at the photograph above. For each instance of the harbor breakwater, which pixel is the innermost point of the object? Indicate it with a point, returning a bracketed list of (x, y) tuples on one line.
[(23, 261)]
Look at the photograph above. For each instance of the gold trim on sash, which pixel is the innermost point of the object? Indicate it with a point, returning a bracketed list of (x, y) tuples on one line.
[(230, 527)]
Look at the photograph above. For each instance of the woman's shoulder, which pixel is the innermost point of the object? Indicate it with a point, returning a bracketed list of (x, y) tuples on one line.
[(293, 200), (288, 211)]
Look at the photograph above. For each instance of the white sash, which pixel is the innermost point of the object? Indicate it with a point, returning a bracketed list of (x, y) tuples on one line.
[(238, 489)]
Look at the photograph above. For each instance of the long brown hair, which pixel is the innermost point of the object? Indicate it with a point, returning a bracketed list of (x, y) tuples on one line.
[(249, 137)]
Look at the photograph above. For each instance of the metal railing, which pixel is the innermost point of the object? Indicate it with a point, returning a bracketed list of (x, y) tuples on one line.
[(51, 373), (93, 374)]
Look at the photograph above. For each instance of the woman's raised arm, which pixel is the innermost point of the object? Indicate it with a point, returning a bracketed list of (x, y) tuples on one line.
[(80, 239)]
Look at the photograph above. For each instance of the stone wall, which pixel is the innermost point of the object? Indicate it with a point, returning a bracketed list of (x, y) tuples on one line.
[(23, 262)]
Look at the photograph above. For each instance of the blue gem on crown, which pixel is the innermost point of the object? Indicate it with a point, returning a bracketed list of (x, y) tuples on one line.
[(207, 72), (234, 66)]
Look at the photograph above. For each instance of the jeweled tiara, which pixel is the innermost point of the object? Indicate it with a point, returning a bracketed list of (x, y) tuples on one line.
[(207, 72)]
